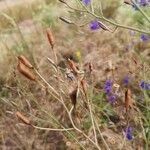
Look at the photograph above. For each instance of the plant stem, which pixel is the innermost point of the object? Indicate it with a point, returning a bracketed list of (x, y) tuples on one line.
[(141, 11), (112, 22)]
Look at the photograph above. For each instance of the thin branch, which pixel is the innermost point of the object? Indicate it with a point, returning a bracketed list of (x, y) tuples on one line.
[(51, 129), (46, 82), (112, 22)]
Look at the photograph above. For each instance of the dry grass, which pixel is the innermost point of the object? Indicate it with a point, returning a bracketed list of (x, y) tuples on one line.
[(47, 104)]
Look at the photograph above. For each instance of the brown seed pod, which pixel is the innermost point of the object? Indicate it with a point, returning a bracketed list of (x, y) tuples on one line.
[(65, 20), (103, 26), (25, 61), (128, 99), (73, 96), (62, 1), (25, 71), (129, 2), (23, 118), (50, 37), (73, 66)]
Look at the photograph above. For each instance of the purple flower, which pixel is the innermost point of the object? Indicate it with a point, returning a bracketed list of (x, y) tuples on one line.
[(128, 133), (112, 98), (143, 2), (109, 93), (145, 85), (145, 37), (108, 87), (86, 2), (126, 80), (95, 25)]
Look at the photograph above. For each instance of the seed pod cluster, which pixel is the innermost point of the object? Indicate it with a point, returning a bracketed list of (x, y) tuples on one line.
[(50, 37), (25, 61), (23, 118), (24, 68)]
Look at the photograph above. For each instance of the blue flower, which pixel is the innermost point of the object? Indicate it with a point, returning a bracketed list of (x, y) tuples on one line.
[(126, 80), (108, 91), (86, 2), (128, 133), (108, 87), (145, 85), (95, 25), (112, 98), (143, 2), (145, 37)]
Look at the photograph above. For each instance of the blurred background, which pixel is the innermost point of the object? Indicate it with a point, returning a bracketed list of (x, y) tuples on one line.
[(23, 25)]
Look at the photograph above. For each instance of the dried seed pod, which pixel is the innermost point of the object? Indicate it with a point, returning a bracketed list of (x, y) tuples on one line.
[(103, 26), (23, 118), (25, 71), (129, 2), (50, 37), (25, 61), (62, 1), (73, 96), (65, 20), (128, 99), (73, 66)]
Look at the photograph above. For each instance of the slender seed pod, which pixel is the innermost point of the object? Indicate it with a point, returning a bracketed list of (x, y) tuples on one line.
[(128, 99), (23, 118), (66, 20), (104, 27), (25, 71), (25, 61), (129, 2), (73, 66), (62, 1), (50, 37)]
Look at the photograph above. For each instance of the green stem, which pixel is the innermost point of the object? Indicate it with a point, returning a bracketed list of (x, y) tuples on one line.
[(141, 11), (112, 22)]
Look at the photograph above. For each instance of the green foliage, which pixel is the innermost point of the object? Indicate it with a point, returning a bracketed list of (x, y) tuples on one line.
[(47, 15), (19, 48)]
